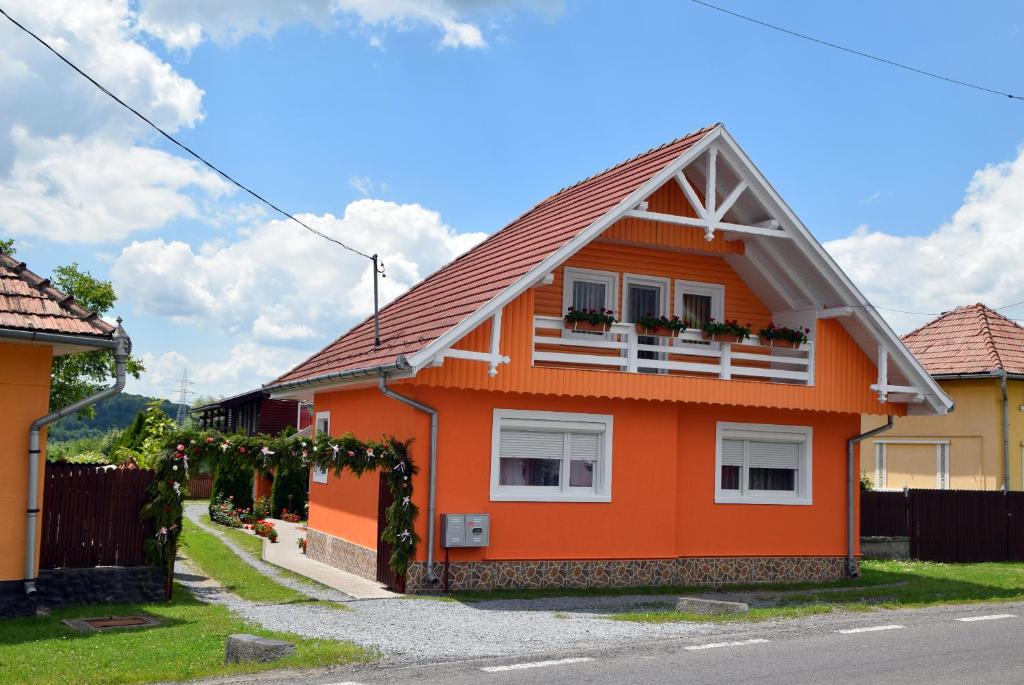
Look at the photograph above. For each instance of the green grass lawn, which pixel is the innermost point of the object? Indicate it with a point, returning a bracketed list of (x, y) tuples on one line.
[(189, 644), (220, 563), (887, 584)]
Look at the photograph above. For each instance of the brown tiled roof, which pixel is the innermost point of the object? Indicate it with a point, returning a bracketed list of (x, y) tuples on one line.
[(28, 302), (454, 292), (971, 339)]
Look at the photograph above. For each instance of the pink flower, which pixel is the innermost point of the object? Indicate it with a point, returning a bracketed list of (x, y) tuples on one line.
[(181, 448)]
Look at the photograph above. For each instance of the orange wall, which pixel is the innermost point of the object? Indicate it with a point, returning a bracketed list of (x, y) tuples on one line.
[(662, 483), (346, 506), (24, 397)]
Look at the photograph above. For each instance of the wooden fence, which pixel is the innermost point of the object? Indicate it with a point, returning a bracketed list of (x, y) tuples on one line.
[(949, 525), (200, 486), (92, 516)]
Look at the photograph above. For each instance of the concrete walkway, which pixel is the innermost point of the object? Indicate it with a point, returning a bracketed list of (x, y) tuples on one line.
[(286, 554)]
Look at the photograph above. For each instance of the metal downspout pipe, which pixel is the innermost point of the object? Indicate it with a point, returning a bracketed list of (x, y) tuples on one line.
[(121, 352), (1006, 431), (851, 492), (432, 413)]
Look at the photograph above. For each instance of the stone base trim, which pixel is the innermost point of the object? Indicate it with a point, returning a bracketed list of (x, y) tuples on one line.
[(340, 553), (505, 575)]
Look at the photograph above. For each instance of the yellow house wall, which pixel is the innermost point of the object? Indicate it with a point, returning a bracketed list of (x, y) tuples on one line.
[(24, 397), (974, 432)]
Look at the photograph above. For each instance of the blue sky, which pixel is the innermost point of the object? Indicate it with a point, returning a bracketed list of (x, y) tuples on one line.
[(448, 120)]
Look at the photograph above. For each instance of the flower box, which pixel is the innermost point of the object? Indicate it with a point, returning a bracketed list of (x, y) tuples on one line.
[(780, 342), (587, 326), (655, 330), (724, 337)]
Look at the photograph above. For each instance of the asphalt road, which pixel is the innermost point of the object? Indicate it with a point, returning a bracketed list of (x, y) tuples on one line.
[(925, 646)]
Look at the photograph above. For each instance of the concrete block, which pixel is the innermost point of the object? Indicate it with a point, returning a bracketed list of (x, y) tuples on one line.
[(710, 607), (880, 547), (245, 647)]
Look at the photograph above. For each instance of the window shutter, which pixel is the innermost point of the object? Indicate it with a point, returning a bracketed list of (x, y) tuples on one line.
[(732, 452), (584, 446), (774, 455), (531, 444)]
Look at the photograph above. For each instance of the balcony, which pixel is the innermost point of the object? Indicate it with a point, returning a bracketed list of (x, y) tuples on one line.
[(687, 354)]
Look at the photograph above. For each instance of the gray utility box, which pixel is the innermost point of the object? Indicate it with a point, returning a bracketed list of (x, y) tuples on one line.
[(465, 530)]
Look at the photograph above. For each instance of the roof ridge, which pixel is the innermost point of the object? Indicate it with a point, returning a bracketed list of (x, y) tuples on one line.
[(990, 341)]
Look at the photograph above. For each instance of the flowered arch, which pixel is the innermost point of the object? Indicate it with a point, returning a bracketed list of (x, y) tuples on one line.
[(264, 454)]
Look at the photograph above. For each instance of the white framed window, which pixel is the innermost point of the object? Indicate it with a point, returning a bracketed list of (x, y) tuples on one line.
[(589, 289), (645, 296), (758, 463), (322, 425), (698, 303), (542, 456), (882, 463)]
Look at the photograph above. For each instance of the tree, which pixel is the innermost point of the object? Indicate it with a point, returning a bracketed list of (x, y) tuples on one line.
[(7, 246), (76, 376)]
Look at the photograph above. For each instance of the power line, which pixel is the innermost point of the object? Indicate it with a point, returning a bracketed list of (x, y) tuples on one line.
[(883, 60), (378, 266)]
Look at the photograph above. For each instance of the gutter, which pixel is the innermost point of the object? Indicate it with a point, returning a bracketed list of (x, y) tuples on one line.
[(1006, 431), (432, 413), (122, 346), (60, 338), (851, 485), (400, 364)]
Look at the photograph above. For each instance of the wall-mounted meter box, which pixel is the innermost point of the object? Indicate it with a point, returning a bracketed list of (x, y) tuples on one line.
[(465, 530)]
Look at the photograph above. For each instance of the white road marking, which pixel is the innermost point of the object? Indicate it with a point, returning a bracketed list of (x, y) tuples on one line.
[(992, 617), (737, 643), (869, 629), (535, 664)]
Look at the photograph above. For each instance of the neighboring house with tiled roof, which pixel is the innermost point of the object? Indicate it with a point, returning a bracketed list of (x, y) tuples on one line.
[(625, 453), (977, 356), (37, 323)]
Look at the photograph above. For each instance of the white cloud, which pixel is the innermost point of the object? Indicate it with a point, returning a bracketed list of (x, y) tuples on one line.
[(96, 189), (278, 282), (246, 366), (974, 257), (184, 24), (365, 186)]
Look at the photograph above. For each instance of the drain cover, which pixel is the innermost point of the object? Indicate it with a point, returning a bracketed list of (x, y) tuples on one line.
[(103, 623)]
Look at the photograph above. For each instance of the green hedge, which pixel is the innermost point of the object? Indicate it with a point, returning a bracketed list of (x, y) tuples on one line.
[(290, 481), (231, 479)]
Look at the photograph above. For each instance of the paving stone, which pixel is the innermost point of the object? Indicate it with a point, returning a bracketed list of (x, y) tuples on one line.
[(710, 607), (245, 647)]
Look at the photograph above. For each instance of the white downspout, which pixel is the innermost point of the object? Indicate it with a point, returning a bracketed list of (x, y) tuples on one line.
[(121, 352)]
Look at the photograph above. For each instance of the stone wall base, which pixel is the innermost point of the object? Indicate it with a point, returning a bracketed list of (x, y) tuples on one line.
[(341, 553), (897, 547), (495, 575), (68, 586)]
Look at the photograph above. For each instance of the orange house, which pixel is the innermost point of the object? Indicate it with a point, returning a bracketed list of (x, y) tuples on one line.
[(626, 455)]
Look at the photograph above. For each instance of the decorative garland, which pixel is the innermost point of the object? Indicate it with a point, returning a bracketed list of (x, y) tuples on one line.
[(264, 453)]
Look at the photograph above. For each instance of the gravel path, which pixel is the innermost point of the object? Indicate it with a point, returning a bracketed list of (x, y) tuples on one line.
[(319, 592)]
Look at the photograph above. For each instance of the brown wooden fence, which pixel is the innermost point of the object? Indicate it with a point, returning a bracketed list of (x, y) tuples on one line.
[(385, 574), (91, 516), (949, 525), (200, 486)]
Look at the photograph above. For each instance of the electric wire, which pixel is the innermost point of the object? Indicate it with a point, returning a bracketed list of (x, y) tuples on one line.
[(859, 53), (186, 148)]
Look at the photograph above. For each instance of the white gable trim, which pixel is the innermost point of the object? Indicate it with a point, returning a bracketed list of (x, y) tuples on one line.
[(757, 184)]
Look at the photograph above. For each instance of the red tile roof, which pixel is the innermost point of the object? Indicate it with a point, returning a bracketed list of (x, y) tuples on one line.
[(971, 339), (28, 302), (454, 292)]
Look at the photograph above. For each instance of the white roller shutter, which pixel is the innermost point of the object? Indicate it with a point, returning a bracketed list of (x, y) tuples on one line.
[(584, 446), (773, 455), (532, 444), (732, 452)]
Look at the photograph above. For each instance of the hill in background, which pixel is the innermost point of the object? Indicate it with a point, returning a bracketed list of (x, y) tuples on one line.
[(116, 412)]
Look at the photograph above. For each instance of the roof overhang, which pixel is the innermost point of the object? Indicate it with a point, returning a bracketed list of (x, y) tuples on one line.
[(61, 343)]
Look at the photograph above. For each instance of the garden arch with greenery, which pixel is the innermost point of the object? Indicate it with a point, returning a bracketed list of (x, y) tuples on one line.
[(265, 454)]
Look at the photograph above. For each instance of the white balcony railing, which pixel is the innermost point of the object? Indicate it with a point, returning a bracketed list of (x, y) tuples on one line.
[(687, 354)]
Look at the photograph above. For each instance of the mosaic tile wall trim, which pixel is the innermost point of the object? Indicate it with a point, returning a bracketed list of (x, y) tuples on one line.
[(342, 554), (492, 575)]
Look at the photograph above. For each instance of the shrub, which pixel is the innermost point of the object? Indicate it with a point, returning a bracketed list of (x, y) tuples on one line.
[(289, 489), (289, 516), (222, 511), (261, 507), (234, 480)]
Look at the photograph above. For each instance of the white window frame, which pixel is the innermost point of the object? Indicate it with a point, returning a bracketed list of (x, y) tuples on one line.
[(664, 284), (769, 432), (553, 421), (610, 279), (320, 475), (716, 291)]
